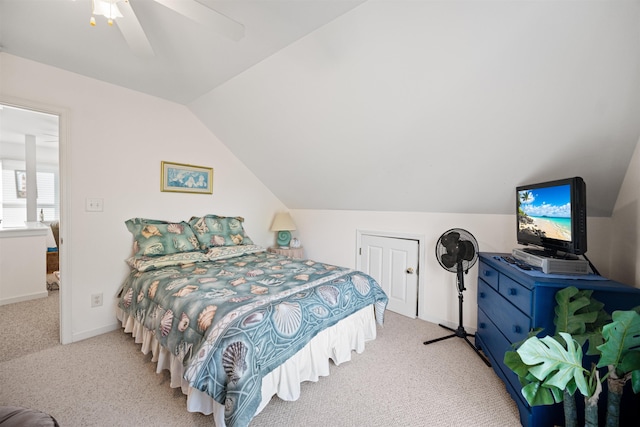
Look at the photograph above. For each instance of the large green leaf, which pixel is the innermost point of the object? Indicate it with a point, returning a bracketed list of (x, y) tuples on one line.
[(568, 301), (622, 341), (630, 362), (553, 364), (514, 362), (580, 315), (593, 332), (537, 394), (594, 337), (532, 388)]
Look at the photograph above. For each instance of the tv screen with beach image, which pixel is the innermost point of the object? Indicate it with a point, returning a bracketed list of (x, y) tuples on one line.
[(545, 212)]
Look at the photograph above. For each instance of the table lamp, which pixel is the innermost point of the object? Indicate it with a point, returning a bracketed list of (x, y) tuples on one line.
[(283, 223)]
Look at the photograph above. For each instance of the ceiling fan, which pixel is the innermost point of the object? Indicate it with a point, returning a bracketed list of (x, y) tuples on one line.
[(131, 29)]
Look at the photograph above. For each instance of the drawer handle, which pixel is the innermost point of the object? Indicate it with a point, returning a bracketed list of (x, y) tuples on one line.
[(486, 273), (482, 295), (482, 325), (517, 329), (513, 291)]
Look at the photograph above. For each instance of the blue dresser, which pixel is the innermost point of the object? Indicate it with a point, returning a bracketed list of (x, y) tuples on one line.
[(512, 301)]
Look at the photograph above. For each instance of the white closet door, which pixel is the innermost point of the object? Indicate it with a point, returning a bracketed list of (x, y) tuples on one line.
[(393, 262)]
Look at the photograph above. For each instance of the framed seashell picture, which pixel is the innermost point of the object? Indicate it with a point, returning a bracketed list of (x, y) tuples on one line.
[(183, 178)]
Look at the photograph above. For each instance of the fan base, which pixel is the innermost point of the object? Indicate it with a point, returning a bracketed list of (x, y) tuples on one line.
[(460, 333)]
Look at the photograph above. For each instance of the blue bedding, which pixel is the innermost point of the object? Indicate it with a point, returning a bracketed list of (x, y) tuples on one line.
[(235, 314)]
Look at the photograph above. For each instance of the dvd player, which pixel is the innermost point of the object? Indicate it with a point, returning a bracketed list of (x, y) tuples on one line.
[(552, 265)]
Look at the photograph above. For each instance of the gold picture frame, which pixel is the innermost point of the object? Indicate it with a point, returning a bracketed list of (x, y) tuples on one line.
[(184, 178)]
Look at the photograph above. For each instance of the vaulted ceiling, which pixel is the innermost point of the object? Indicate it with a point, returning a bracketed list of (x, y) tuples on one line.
[(390, 105)]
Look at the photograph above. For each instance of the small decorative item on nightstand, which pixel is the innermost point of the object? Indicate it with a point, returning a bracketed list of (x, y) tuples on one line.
[(283, 224), (295, 243), (295, 253)]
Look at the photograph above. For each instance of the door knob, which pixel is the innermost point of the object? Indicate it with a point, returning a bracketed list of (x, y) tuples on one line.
[(410, 270)]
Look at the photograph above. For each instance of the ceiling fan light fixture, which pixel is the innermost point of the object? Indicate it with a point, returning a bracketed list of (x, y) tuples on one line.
[(107, 8)]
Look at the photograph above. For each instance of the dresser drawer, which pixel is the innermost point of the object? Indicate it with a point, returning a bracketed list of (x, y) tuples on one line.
[(489, 275), (513, 324), (496, 345), (516, 294)]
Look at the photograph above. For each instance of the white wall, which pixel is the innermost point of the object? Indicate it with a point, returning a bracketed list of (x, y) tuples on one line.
[(330, 236), (117, 139), (406, 98), (625, 257), (22, 264)]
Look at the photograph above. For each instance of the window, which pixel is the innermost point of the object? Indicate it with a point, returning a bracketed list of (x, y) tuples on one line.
[(29, 138), (14, 205)]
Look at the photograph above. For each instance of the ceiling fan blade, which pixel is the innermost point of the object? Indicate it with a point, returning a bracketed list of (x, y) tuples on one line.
[(132, 31), (206, 16)]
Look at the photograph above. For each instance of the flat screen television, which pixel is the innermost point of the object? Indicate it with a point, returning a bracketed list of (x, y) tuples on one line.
[(553, 217)]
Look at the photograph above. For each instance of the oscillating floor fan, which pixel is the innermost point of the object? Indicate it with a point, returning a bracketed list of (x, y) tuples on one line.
[(457, 252)]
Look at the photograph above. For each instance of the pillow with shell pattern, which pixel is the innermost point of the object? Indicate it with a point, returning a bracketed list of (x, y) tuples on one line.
[(157, 238), (215, 230)]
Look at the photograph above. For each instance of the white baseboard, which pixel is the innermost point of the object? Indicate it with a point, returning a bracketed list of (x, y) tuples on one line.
[(21, 298), (95, 332)]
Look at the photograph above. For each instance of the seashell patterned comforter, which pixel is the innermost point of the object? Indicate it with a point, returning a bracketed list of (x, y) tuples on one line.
[(233, 318)]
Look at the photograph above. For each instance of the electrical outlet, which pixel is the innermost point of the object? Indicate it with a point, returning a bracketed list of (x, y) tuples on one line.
[(96, 300)]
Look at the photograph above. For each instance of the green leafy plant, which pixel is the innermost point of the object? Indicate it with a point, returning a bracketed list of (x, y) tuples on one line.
[(558, 372), (536, 393), (551, 369), (620, 353), (554, 364), (580, 315)]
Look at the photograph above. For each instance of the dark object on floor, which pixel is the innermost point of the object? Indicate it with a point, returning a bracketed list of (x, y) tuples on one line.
[(15, 416), (53, 281)]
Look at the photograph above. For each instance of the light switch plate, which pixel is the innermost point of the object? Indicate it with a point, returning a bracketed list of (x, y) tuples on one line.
[(94, 205)]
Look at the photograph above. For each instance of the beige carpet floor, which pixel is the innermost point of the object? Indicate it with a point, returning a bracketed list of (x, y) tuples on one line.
[(29, 326), (397, 381)]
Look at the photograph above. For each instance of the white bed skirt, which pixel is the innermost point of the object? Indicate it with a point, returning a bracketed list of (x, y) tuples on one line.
[(308, 364)]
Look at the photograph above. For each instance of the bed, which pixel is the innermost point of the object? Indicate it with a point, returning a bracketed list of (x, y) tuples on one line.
[(235, 324)]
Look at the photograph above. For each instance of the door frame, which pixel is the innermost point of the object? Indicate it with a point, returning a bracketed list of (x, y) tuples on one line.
[(64, 168), (395, 235)]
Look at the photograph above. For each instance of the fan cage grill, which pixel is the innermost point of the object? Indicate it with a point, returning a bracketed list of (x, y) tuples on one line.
[(448, 250)]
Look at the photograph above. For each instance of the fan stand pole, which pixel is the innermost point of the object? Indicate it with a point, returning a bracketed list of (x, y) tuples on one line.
[(460, 332)]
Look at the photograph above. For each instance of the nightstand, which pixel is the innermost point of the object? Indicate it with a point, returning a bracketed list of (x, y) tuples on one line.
[(52, 262), (295, 253)]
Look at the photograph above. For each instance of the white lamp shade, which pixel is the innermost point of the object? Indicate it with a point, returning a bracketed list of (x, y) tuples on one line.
[(283, 222)]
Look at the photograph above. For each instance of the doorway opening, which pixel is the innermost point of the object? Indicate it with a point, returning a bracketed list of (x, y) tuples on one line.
[(30, 183)]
